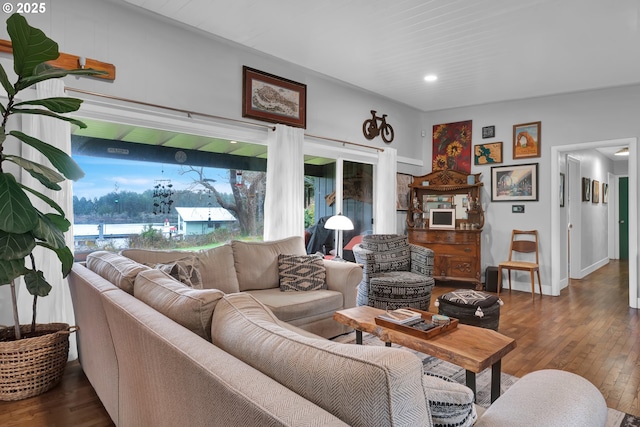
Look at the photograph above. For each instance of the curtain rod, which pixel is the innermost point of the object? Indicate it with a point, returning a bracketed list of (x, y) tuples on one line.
[(344, 142), (179, 110), (190, 113)]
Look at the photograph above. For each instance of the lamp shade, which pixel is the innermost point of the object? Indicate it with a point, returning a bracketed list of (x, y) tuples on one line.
[(339, 222)]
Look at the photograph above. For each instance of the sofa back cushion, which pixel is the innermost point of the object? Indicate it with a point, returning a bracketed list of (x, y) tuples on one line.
[(218, 270), (256, 263), (361, 385), (119, 270), (192, 308), (215, 265)]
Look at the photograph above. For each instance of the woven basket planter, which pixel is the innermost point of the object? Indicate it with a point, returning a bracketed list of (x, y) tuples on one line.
[(31, 366)]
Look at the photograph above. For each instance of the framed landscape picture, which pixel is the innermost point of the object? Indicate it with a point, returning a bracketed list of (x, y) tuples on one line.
[(273, 99), (514, 183), (484, 154), (526, 140)]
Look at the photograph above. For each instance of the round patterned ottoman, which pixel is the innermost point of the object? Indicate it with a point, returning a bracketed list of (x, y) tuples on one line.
[(401, 289), (471, 307)]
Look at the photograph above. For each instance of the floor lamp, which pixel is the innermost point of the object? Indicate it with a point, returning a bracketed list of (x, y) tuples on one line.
[(339, 223)]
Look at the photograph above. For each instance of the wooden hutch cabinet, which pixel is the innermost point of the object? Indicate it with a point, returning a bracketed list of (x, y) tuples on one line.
[(456, 248)]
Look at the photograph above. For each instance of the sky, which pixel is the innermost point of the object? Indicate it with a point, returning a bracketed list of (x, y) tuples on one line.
[(104, 175)]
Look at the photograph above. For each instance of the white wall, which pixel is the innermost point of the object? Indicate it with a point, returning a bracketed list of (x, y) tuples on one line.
[(571, 119), (164, 63)]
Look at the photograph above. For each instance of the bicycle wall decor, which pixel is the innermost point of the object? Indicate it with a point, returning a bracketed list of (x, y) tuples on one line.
[(370, 128)]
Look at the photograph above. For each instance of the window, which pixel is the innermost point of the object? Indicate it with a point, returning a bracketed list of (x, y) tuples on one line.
[(135, 195)]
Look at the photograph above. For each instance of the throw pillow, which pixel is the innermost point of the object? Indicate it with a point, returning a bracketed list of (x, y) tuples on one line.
[(451, 403), (301, 273), (185, 270)]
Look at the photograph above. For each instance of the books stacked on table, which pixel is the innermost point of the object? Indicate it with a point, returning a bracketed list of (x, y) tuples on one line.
[(401, 316)]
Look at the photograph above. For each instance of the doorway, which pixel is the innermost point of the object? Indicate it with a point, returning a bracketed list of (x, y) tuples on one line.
[(558, 267)]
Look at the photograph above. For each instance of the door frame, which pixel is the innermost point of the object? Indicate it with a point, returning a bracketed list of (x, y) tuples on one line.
[(556, 220), (573, 203)]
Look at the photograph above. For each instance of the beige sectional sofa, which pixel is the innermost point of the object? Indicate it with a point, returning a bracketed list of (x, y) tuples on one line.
[(166, 355), (253, 267)]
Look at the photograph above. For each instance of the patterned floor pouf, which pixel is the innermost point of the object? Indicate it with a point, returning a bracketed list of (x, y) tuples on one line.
[(402, 289), (471, 307)]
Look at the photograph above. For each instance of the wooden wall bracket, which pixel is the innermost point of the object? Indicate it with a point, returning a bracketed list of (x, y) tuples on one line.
[(71, 62)]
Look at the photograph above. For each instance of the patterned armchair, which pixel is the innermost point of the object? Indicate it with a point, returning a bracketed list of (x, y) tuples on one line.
[(395, 274)]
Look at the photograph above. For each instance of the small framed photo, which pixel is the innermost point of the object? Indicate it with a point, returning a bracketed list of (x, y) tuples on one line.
[(595, 191), (488, 132), (605, 193), (586, 189), (403, 191), (526, 140), (273, 99), (484, 154), (514, 183)]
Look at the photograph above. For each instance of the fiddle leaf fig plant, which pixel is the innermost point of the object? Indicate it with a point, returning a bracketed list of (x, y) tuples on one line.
[(22, 225)]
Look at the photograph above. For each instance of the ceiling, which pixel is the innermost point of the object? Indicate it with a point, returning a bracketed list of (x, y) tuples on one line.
[(482, 51)]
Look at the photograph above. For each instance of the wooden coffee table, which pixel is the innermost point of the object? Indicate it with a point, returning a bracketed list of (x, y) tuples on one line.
[(469, 347)]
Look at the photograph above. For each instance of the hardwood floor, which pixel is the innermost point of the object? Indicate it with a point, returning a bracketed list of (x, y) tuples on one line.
[(72, 403), (589, 330)]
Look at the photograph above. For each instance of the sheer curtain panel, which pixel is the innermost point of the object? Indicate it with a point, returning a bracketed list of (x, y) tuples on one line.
[(56, 307), (385, 192), (284, 200)]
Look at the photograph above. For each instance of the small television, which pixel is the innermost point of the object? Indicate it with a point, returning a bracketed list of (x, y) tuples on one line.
[(442, 219)]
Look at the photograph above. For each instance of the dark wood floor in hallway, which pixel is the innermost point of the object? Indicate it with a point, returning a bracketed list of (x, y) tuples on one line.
[(589, 330)]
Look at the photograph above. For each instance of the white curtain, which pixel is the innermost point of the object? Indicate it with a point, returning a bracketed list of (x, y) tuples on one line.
[(56, 307), (385, 194), (284, 200)]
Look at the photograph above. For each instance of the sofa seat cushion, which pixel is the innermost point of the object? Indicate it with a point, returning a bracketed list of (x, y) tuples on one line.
[(192, 308), (117, 269), (361, 385), (256, 263), (292, 306)]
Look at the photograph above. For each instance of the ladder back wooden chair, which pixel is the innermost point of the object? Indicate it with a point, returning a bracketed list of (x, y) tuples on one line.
[(522, 242)]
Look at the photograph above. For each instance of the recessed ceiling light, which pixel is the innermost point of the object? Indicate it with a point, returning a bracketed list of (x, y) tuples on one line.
[(430, 78), (622, 152)]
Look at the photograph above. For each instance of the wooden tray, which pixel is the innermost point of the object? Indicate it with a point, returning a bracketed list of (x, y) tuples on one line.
[(417, 332)]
